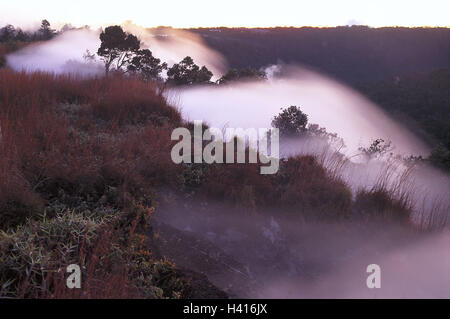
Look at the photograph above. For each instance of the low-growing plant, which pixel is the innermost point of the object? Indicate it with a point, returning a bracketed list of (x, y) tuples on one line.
[(108, 245)]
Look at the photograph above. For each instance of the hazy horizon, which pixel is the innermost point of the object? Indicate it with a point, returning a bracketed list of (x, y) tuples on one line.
[(249, 14)]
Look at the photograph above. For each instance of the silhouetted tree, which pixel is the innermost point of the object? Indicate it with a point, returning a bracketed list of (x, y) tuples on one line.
[(7, 33), (291, 121), (377, 148), (187, 72), (146, 65), (243, 74), (46, 31), (117, 47)]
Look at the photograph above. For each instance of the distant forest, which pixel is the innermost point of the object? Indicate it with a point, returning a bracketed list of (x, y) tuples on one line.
[(352, 54), (421, 100)]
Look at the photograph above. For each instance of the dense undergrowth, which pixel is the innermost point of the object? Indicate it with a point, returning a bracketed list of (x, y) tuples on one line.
[(81, 164)]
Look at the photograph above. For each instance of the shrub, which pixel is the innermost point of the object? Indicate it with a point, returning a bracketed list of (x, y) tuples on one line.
[(243, 74), (301, 185), (305, 186), (240, 184), (291, 121), (378, 204)]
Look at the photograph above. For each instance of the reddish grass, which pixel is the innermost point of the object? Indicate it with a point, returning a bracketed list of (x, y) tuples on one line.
[(49, 145)]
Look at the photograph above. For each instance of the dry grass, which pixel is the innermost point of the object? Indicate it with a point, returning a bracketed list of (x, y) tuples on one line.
[(116, 135)]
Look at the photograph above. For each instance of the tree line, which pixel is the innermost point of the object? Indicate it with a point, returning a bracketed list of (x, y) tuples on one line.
[(122, 52), (10, 33)]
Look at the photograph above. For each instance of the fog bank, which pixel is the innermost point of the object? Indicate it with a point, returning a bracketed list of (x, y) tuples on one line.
[(328, 103), (64, 53)]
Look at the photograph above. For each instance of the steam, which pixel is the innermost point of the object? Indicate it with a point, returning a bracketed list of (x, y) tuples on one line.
[(172, 45), (64, 53), (270, 255), (328, 103), (416, 270), (294, 259)]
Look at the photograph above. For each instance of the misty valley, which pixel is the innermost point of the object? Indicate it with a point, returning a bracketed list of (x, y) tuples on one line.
[(222, 163)]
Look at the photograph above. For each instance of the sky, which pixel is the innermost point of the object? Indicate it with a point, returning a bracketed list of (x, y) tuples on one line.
[(230, 13)]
